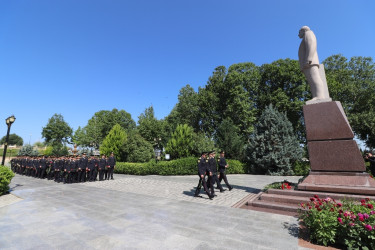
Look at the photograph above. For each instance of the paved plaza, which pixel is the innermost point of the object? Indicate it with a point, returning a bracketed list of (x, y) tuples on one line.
[(140, 212)]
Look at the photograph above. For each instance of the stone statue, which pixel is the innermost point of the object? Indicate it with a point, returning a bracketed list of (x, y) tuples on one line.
[(309, 65)]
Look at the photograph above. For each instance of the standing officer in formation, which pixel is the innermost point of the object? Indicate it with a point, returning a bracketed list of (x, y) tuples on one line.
[(64, 169), (111, 164)]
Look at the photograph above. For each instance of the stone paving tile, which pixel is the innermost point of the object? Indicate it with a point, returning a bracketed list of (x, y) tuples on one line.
[(140, 212), (8, 199), (173, 190)]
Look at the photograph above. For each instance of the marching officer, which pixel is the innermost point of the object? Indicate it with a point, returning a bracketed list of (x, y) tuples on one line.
[(213, 168), (222, 167), (202, 168)]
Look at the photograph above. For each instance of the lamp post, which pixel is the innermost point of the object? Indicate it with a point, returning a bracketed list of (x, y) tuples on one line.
[(9, 122)]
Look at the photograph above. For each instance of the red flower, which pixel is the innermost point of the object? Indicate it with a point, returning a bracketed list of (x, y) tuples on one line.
[(363, 201), (340, 220), (316, 196), (361, 218), (312, 199), (370, 206), (368, 227), (339, 204)]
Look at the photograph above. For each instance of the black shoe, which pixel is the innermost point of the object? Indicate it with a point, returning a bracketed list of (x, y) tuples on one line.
[(211, 197), (197, 195), (222, 191), (230, 188)]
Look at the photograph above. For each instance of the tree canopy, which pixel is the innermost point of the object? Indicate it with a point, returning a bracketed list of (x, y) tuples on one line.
[(57, 131), (115, 142), (12, 140)]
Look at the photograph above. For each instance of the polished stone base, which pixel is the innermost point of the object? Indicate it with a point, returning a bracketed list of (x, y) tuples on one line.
[(339, 182), (336, 155), (326, 121)]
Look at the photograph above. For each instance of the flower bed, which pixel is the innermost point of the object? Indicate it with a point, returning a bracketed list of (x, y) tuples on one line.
[(348, 224)]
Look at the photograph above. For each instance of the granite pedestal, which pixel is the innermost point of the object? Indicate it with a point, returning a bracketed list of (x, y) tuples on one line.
[(336, 162)]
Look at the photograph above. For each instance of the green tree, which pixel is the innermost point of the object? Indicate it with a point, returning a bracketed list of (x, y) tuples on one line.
[(152, 129), (181, 143), (352, 82), (229, 140), (202, 143), (13, 140), (80, 137), (187, 107), (56, 133), (102, 122), (273, 148), (138, 149), (28, 150), (284, 86), (115, 142)]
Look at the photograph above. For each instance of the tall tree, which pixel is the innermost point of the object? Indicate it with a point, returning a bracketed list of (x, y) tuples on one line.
[(14, 139), (152, 129), (115, 142), (80, 137), (284, 86), (57, 131), (229, 140), (273, 148), (181, 143), (187, 107), (103, 121), (352, 82)]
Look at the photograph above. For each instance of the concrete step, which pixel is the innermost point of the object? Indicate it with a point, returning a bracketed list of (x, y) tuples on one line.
[(286, 199), (323, 195), (276, 205)]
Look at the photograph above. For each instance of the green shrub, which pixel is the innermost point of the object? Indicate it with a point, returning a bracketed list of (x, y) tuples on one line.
[(236, 167), (301, 168), (182, 166), (6, 176)]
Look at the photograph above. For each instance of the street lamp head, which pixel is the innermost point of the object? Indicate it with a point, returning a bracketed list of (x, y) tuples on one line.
[(10, 120)]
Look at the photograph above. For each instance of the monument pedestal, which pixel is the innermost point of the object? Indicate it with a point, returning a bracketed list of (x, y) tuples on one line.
[(336, 162)]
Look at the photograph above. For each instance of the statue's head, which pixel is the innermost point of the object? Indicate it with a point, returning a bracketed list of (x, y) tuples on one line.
[(302, 31)]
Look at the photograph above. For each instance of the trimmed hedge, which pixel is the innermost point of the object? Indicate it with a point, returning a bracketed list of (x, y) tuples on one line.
[(183, 166), (6, 176)]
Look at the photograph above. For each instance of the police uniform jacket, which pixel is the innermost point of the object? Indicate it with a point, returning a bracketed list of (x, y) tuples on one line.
[(43, 163), (212, 165), (91, 164), (222, 163), (102, 163), (202, 166), (111, 161), (83, 163)]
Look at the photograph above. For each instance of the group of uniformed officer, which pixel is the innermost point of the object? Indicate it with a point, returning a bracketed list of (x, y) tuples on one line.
[(207, 172), (67, 169)]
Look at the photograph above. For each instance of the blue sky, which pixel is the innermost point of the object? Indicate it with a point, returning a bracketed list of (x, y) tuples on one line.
[(76, 57)]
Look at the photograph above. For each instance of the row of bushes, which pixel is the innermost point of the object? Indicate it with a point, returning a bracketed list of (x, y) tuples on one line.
[(6, 176), (188, 166), (183, 166)]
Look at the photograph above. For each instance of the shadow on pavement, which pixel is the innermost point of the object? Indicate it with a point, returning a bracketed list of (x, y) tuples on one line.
[(247, 189)]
